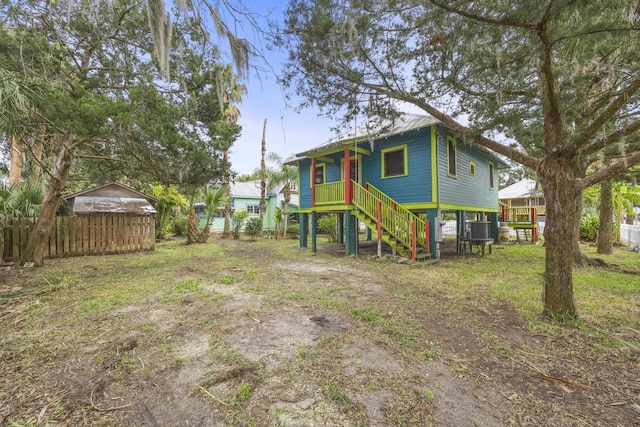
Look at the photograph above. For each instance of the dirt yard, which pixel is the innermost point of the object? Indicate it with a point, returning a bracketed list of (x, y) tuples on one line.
[(267, 334)]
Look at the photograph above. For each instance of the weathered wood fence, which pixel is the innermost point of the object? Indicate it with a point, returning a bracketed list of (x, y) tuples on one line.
[(97, 234)]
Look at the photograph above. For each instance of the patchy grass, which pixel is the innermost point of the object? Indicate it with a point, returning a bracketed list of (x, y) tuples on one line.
[(266, 333)]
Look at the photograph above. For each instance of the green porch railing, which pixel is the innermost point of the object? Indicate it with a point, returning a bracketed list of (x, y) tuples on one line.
[(330, 194), (395, 219)]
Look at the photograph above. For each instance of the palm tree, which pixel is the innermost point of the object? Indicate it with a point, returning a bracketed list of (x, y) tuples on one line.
[(213, 199), (284, 174), (16, 100), (229, 95)]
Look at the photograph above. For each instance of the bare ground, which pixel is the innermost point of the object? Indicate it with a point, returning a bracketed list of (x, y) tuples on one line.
[(295, 340)]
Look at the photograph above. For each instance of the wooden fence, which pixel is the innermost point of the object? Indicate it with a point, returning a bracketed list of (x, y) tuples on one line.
[(83, 235)]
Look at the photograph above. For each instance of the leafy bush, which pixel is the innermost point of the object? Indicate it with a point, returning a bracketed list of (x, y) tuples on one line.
[(329, 225), (589, 226), (253, 228), (178, 225), (239, 217), (293, 230)]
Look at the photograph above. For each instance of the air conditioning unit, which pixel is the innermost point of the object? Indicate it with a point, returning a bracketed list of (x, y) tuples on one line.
[(480, 230)]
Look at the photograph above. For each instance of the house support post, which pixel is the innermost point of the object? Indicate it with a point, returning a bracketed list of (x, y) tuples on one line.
[(379, 229), (493, 218), (534, 230), (427, 235), (340, 220), (461, 226), (431, 217), (314, 232), (347, 177), (313, 182), (351, 232), (303, 220)]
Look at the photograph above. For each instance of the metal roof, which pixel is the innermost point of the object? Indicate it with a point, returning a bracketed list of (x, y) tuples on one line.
[(90, 204), (373, 130), (115, 185), (524, 188)]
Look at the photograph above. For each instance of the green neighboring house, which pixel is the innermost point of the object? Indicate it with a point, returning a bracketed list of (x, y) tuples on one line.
[(246, 196)]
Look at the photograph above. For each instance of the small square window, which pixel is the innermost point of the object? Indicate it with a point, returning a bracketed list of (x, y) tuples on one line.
[(394, 162)]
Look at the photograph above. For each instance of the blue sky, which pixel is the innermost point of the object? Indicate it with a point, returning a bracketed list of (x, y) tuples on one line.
[(288, 131)]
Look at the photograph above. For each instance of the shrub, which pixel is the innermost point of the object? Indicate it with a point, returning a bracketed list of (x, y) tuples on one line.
[(239, 217), (178, 225), (253, 228), (293, 230), (329, 225), (589, 226)]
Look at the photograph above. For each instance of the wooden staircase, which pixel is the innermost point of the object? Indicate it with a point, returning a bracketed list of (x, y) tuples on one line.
[(403, 230)]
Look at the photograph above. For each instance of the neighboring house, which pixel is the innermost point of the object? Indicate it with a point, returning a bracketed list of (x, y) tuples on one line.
[(525, 193), (400, 179), (523, 208), (246, 196)]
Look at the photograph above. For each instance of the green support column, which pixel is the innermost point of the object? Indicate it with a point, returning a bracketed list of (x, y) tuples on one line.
[(303, 221), (431, 217), (340, 228), (369, 236), (493, 218), (351, 233), (314, 232), (461, 223)]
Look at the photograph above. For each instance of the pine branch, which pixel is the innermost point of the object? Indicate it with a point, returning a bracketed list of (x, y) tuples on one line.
[(604, 117), (615, 169), (609, 139), (492, 21)]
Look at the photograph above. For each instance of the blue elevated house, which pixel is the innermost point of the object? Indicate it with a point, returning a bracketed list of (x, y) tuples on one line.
[(398, 179)]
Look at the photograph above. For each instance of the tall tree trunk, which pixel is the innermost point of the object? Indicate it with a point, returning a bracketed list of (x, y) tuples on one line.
[(226, 231), (605, 230), (192, 231), (39, 238), (563, 196), (38, 147), (17, 153), (263, 172)]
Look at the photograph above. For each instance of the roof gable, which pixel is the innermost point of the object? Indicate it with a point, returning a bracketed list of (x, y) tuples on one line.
[(112, 189)]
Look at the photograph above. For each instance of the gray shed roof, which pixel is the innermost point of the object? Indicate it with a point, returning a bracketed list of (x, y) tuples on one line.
[(83, 205)]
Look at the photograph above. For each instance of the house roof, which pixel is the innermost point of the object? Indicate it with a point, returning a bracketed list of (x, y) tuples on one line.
[(370, 131), (251, 189), (524, 188), (101, 204)]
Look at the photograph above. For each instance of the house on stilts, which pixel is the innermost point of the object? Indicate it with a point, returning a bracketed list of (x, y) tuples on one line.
[(398, 178)]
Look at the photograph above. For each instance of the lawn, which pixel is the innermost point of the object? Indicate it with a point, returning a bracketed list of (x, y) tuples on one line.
[(265, 333)]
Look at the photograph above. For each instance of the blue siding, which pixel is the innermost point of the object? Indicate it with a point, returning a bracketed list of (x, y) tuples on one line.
[(332, 173), (416, 186), (466, 189), (304, 186)]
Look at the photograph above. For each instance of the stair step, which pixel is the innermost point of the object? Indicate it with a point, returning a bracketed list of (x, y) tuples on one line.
[(423, 256)]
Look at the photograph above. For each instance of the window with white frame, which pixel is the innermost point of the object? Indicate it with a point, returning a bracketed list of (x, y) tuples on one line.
[(253, 209)]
